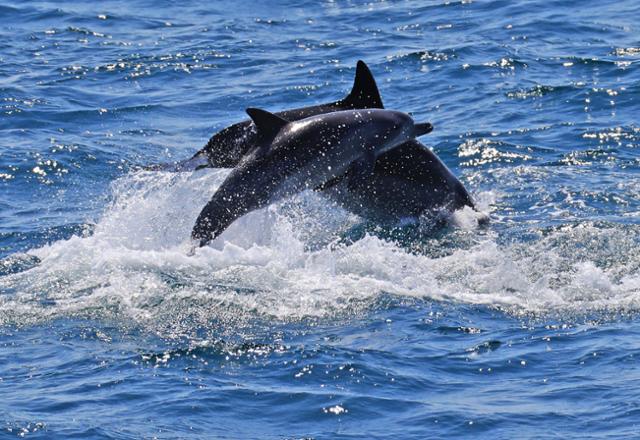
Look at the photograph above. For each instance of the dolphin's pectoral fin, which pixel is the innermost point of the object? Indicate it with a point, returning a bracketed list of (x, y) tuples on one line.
[(361, 171), (364, 93), (267, 124)]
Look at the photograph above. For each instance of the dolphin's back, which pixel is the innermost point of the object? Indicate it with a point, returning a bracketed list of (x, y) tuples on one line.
[(226, 147)]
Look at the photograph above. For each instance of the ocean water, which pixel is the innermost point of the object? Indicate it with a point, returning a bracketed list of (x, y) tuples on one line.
[(302, 321)]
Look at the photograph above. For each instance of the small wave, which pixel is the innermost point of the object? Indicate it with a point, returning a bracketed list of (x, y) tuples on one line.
[(539, 90), (270, 21), (478, 152), (615, 135), (6, 10), (507, 63), (86, 31), (572, 61), (138, 66), (425, 56), (626, 51)]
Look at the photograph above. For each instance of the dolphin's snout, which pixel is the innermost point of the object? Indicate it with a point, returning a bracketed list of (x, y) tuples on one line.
[(408, 126), (422, 128)]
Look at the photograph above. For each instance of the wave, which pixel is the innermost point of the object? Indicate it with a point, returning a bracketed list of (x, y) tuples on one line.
[(286, 262), (540, 90), (424, 56)]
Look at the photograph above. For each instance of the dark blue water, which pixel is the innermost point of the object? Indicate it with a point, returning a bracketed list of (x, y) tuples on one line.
[(528, 328)]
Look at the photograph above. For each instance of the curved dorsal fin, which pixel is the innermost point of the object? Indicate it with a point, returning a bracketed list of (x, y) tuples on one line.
[(267, 124), (364, 93)]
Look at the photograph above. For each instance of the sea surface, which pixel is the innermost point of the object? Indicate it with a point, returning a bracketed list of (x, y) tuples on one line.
[(302, 320)]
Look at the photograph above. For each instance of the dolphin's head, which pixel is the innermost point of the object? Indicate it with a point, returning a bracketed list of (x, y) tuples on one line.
[(397, 127)]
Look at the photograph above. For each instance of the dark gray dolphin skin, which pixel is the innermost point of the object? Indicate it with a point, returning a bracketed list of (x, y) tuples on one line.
[(290, 157), (229, 145), (406, 182)]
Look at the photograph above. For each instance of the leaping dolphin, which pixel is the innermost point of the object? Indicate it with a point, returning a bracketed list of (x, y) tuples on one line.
[(290, 157), (406, 182)]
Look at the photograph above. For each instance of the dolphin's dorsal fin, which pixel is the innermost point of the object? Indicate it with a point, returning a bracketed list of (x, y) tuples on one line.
[(364, 93), (267, 124)]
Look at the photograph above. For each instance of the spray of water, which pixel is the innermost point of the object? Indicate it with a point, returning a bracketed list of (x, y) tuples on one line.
[(288, 262)]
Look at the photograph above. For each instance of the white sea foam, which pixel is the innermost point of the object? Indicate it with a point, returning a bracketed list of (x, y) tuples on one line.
[(285, 262)]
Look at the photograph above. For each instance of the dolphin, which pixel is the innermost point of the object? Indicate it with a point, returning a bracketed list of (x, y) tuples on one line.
[(225, 148), (406, 182), (291, 156)]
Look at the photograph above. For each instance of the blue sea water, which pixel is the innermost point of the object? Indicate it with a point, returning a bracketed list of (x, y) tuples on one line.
[(528, 328)]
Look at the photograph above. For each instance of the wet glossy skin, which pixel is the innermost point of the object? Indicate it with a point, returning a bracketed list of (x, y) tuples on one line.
[(406, 182), (303, 155)]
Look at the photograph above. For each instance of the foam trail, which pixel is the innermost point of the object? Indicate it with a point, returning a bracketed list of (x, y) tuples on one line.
[(281, 263)]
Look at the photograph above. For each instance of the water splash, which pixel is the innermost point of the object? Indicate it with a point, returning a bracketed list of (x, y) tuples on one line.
[(287, 262)]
